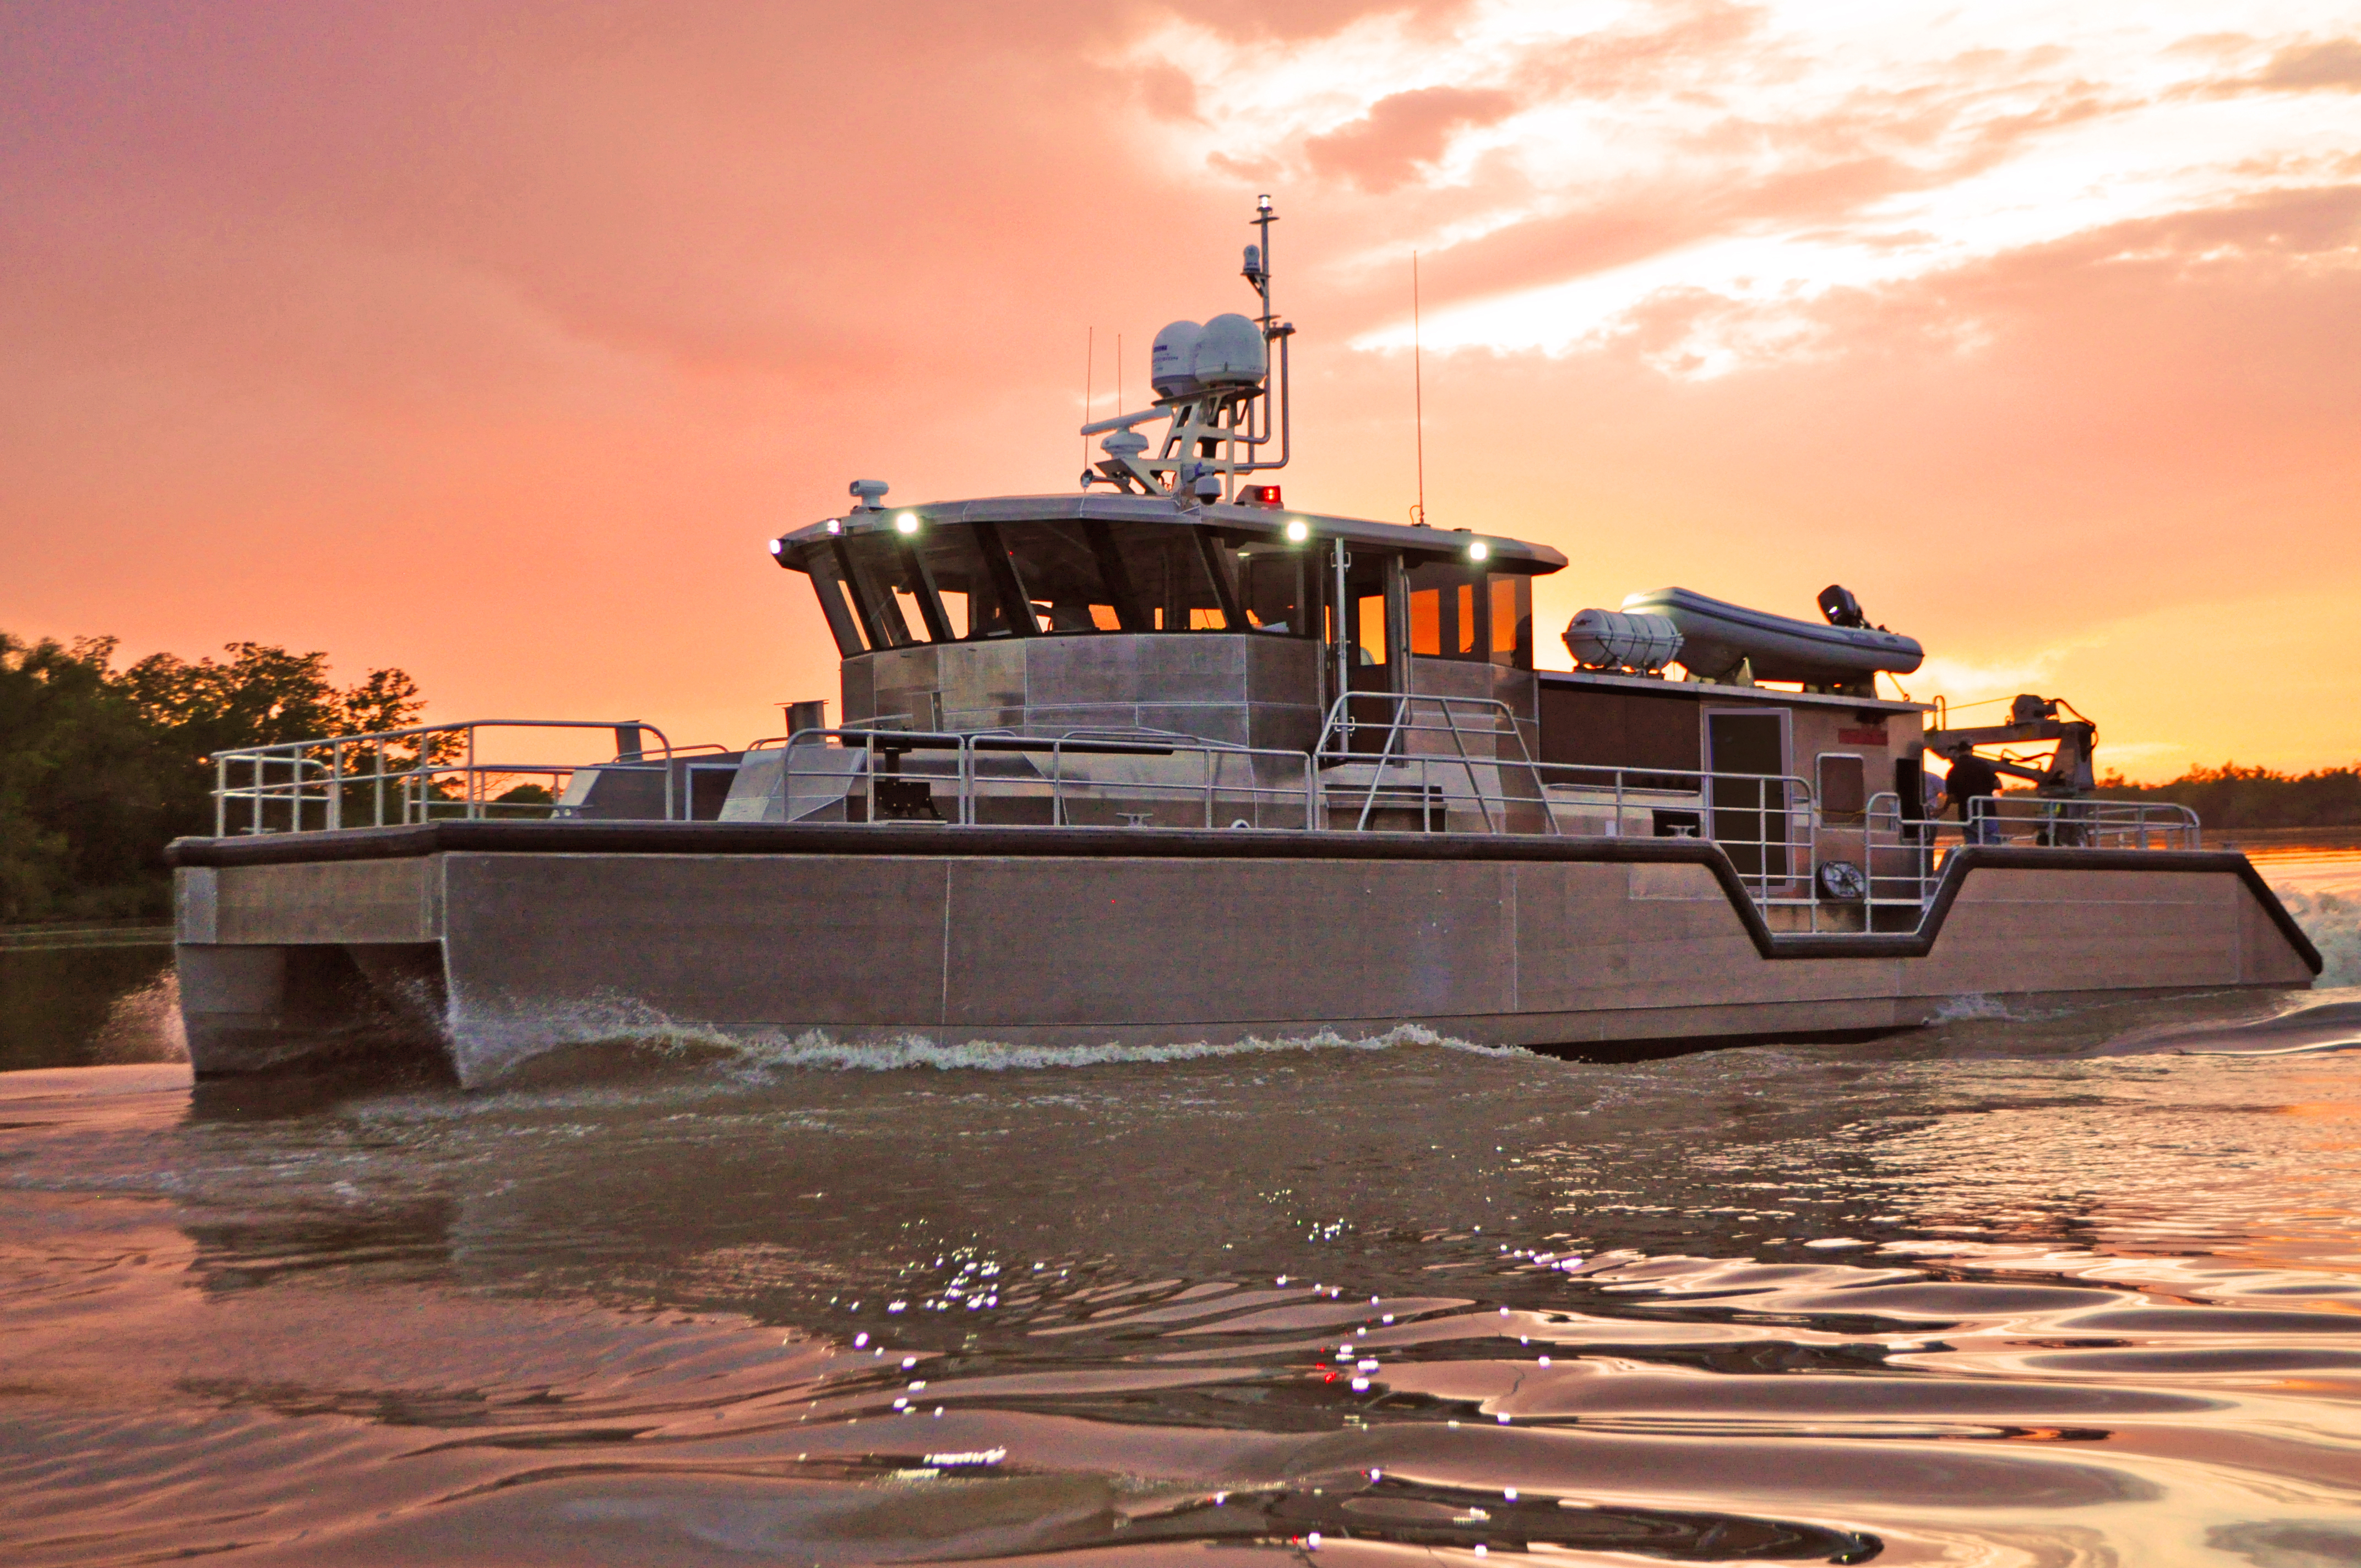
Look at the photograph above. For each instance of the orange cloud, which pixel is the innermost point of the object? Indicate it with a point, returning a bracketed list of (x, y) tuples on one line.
[(1385, 148), (493, 342)]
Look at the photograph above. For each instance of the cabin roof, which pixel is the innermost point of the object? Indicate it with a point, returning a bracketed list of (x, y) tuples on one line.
[(1711, 691), (1507, 553)]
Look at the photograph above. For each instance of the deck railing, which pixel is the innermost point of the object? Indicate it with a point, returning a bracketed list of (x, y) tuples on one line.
[(1079, 778), (2033, 820), (429, 772), (1421, 763)]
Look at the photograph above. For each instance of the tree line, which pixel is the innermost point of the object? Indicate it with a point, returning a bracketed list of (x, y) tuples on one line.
[(2230, 796), (100, 768)]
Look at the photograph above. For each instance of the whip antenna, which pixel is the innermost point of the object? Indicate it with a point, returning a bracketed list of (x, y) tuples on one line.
[(1418, 388)]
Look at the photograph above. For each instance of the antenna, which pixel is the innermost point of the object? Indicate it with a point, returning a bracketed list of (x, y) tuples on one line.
[(1257, 270), (1090, 401), (1418, 387), (1213, 383)]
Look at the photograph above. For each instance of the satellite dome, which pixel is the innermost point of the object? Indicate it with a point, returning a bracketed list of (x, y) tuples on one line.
[(1230, 352), (1170, 362)]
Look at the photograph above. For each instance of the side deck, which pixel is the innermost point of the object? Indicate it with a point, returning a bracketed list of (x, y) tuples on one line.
[(492, 942)]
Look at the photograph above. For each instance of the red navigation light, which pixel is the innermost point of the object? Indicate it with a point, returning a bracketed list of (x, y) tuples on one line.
[(1260, 496)]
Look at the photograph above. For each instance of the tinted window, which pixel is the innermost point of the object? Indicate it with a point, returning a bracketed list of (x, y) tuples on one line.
[(828, 582), (1274, 582), (886, 582), (1512, 621), (1445, 610), (956, 557), (1169, 572)]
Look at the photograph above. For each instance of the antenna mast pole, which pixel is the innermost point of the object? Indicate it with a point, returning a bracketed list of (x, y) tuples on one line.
[(1418, 387)]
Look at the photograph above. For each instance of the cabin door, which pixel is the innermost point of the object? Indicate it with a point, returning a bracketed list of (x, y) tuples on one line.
[(1750, 815)]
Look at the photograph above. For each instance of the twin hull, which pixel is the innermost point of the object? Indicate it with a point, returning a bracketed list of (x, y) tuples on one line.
[(494, 943)]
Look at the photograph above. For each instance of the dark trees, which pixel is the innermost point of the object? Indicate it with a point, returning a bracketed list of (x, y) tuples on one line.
[(100, 768)]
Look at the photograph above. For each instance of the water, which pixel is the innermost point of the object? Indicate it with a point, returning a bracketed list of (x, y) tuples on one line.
[(2071, 1287)]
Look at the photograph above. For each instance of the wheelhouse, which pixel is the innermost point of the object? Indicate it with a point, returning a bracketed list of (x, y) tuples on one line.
[(1222, 620)]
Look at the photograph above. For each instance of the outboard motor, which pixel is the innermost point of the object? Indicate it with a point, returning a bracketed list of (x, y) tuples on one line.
[(1841, 609)]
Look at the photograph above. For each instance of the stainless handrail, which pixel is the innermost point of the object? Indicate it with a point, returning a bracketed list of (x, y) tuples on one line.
[(2024, 819), (1215, 783), (418, 783), (1770, 826), (1401, 724)]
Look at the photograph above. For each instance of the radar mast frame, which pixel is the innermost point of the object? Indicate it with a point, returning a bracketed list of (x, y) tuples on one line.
[(1217, 433)]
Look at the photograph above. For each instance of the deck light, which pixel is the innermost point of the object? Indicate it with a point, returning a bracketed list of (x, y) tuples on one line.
[(834, 526), (778, 546), (1478, 551), (1298, 530), (907, 523)]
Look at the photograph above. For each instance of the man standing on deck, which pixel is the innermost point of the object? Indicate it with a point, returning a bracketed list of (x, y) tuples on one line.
[(1971, 777)]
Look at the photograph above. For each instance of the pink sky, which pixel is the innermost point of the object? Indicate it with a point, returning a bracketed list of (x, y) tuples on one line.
[(492, 340)]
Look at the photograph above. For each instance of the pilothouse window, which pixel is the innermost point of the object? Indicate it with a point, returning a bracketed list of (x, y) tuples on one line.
[(885, 578), (1444, 611), (828, 582), (967, 582), (1062, 577), (1273, 583), (1512, 621)]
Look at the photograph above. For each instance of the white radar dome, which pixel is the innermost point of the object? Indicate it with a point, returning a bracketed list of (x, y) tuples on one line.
[(1171, 363), (1230, 352)]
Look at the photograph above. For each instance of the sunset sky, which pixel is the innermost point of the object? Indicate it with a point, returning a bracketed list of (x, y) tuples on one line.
[(493, 340)]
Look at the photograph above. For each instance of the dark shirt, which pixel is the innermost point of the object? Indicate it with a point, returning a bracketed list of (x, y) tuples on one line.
[(1969, 777)]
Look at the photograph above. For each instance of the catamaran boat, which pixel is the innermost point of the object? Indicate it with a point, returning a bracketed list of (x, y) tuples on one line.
[(1168, 760)]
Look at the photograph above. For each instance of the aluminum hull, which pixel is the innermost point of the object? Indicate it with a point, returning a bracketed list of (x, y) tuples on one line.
[(491, 945)]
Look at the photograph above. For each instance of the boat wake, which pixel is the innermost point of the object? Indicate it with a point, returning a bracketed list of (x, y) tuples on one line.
[(816, 1049), (2322, 1027), (611, 1036), (2333, 921)]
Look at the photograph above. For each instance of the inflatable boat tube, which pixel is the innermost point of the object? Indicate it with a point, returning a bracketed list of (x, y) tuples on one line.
[(1716, 636)]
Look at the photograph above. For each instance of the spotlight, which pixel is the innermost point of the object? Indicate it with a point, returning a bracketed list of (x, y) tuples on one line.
[(1298, 530), (907, 523), (1478, 551)]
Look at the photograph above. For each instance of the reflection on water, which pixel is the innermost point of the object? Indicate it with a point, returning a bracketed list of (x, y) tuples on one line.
[(2075, 1287)]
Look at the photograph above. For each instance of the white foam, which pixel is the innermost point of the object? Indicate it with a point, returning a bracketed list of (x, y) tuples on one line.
[(1974, 1006), (144, 1026), (2333, 921), (817, 1048), (495, 1047)]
